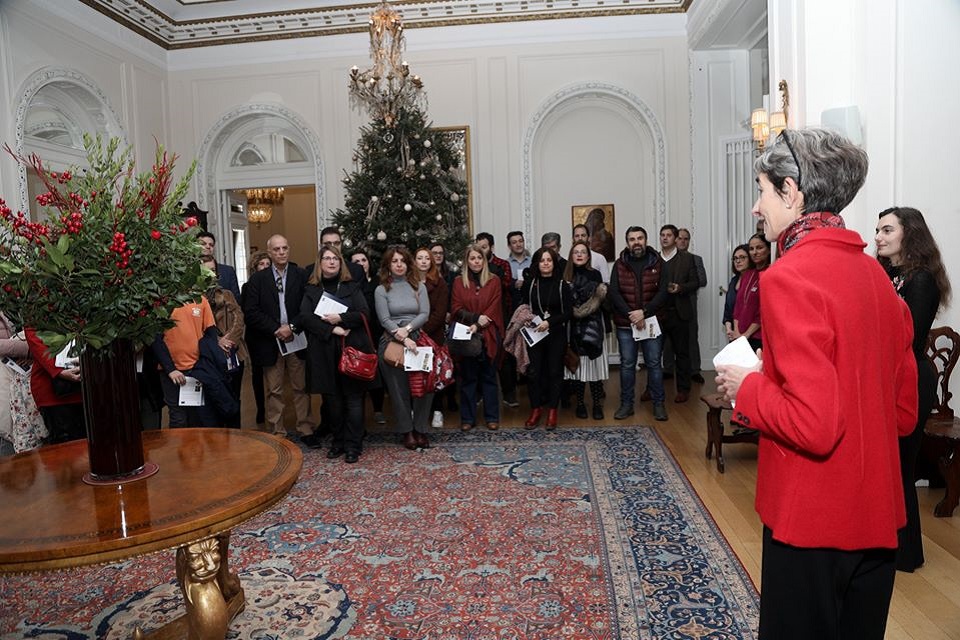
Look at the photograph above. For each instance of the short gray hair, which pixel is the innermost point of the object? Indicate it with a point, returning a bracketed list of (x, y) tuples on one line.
[(828, 169)]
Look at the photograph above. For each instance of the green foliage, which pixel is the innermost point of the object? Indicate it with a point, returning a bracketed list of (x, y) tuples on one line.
[(406, 164), (113, 259)]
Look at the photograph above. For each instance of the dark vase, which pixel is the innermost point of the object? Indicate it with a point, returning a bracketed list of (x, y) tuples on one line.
[(111, 407)]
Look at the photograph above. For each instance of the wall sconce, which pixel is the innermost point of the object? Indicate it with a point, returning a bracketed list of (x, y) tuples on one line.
[(764, 125)]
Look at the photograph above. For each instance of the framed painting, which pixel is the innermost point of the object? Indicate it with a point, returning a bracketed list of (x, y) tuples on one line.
[(599, 220), (459, 138)]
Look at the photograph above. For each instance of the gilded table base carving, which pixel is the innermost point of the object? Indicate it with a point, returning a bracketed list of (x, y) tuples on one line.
[(211, 593)]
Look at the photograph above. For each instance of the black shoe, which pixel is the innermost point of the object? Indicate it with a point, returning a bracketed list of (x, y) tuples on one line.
[(313, 441), (624, 411), (351, 457), (597, 412), (335, 452), (581, 410), (698, 378)]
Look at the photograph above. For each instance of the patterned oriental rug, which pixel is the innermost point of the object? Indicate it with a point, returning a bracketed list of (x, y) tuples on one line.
[(573, 534)]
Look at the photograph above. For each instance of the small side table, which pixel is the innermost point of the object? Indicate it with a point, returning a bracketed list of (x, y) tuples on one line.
[(209, 481), (716, 404)]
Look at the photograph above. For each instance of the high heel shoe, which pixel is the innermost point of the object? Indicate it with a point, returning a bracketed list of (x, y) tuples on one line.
[(534, 418), (551, 419)]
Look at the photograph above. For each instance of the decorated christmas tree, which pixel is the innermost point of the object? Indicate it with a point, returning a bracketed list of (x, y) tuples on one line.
[(404, 188)]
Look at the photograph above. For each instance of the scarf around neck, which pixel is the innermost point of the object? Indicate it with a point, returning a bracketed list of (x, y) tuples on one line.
[(803, 225)]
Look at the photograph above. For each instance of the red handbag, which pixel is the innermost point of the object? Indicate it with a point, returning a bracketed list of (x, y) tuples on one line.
[(355, 363)]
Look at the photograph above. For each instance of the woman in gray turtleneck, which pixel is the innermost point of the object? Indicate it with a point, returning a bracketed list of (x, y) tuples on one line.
[(403, 306)]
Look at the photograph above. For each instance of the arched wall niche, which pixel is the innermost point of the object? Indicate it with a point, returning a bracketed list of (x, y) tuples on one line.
[(65, 104), (564, 116)]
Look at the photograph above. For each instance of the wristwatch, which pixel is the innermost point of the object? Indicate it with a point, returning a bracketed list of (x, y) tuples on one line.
[(293, 328)]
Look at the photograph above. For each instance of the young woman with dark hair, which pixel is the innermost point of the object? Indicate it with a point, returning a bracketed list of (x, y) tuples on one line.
[(550, 299), (908, 252), (403, 307)]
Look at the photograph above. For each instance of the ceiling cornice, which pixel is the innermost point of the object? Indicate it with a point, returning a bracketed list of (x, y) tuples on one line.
[(146, 20)]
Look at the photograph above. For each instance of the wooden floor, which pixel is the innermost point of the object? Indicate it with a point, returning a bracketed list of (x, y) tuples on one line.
[(926, 604)]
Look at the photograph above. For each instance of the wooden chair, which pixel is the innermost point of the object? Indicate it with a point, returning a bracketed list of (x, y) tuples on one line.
[(716, 405), (941, 435)]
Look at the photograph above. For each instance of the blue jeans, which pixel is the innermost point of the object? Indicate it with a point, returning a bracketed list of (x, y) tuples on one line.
[(478, 380), (652, 349)]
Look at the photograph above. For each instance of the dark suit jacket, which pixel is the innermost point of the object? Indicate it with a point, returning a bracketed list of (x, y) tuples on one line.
[(683, 270), (261, 312), (227, 277)]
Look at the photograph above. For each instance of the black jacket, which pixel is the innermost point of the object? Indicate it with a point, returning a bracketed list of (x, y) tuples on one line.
[(324, 346), (261, 312)]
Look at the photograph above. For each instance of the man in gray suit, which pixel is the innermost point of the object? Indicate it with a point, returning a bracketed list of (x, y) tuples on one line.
[(683, 244)]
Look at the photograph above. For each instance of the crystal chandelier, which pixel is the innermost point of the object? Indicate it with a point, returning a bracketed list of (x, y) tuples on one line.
[(387, 87), (260, 203)]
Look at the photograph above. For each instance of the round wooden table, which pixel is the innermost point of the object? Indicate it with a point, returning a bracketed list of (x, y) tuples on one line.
[(209, 481)]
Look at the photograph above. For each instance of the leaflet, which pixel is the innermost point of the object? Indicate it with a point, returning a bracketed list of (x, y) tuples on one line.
[(419, 360), (299, 343), (651, 329), (530, 335), (191, 393), (329, 304), (460, 332)]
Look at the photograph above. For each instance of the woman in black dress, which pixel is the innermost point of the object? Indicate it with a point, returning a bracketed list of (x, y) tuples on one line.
[(375, 388), (907, 250), (550, 299)]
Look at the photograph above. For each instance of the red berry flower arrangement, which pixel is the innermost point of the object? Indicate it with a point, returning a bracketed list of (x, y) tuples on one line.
[(111, 258)]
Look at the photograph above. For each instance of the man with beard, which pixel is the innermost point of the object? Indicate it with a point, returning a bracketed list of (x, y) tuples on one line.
[(638, 289)]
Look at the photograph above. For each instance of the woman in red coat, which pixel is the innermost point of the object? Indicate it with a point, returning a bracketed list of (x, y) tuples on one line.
[(436, 324), (476, 303), (56, 392), (836, 386)]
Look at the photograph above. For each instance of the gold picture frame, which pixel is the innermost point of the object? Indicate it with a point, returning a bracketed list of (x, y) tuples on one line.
[(459, 138), (600, 222)]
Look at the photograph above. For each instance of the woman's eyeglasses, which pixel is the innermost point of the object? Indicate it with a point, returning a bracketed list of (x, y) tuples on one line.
[(783, 136), (739, 258)]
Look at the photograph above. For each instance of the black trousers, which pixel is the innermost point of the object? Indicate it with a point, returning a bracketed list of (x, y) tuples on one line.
[(345, 419), (545, 372), (678, 332), (64, 422), (825, 594)]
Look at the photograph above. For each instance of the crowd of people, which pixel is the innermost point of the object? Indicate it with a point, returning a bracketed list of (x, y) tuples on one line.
[(839, 396)]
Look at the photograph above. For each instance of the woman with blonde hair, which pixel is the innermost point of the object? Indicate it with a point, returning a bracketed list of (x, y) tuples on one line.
[(476, 303), (403, 307)]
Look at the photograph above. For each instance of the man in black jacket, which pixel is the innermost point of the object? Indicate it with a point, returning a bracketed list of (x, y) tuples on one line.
[(678, 312), (272, 299), (638, 290)]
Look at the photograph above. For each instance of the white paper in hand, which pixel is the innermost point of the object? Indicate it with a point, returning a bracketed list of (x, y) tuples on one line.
[(738, 352), (328, 305), (460, 332), (191, 393)]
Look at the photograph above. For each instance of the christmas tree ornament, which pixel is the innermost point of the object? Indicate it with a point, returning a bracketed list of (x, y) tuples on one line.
[(347, 242), (381, 235), (374, 198), (404, 236), (439, 217), (432, 203), (427, 144), (388, 137), (408, 207), (454, 197)]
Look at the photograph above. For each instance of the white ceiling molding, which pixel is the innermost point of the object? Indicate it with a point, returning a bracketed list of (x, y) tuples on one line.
[(234, 21)]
